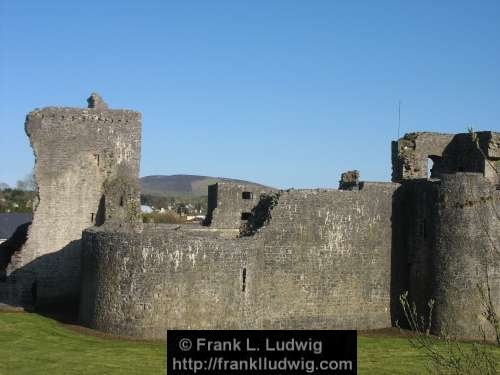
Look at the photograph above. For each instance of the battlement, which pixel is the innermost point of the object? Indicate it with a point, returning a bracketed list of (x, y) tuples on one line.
[(68, 114)]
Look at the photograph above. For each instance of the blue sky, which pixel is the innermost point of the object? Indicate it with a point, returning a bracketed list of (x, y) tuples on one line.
[(285, 93)]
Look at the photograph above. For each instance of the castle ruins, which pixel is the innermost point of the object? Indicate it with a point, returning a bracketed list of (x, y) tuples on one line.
[(264, 258)]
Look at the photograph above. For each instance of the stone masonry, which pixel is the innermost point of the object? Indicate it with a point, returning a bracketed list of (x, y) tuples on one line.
[(77, 151), (264, 258)]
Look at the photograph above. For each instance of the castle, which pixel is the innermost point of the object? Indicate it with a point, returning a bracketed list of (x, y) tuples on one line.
[(264, 258)]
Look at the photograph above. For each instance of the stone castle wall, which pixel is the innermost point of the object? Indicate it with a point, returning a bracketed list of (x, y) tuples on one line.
[(326, 260), (76, 151), (140, 284), (323, 261)]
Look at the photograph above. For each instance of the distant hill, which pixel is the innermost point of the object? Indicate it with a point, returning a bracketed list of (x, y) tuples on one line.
[(183, 185)]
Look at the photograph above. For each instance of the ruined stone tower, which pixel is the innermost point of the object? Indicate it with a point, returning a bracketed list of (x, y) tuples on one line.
[(448, 231), (87, 165)]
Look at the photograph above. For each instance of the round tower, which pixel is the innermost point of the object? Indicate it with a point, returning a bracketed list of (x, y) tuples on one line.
[(467, 259)]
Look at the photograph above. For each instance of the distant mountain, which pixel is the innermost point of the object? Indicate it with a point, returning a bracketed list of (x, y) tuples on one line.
[(183, 185)]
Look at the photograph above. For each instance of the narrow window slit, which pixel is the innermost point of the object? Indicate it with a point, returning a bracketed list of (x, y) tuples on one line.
[(244, 280)]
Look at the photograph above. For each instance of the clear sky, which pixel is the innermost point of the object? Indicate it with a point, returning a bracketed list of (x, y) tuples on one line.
[(285, 93)]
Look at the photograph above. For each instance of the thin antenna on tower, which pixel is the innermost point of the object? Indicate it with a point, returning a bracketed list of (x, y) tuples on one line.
[(399, 117)]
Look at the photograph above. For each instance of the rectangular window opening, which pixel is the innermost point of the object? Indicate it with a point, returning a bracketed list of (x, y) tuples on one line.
[(247, 195)]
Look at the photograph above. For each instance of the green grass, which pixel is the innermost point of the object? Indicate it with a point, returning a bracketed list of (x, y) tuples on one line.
[(32, 344), (388, 355), (395, 355)]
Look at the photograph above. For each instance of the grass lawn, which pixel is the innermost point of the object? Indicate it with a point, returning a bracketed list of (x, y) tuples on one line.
[(33, 344)]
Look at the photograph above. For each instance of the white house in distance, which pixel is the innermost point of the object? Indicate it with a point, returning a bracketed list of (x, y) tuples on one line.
[(146, 209)]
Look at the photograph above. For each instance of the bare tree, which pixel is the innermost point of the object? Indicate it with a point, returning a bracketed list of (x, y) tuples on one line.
[(27, 183), (446, 354)]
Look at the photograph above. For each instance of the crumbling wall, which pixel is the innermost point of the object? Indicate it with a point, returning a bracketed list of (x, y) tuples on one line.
[(465, 152), (120, 201), (349, 180), (478, 153), (410, 155), (77, 151), (261, 214), (230, 204), (467, 255), (491, 146)]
